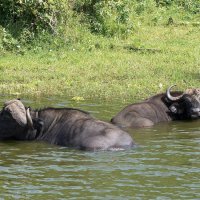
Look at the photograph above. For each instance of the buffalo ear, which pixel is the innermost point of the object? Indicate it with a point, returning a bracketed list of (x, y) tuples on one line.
[(38, 125), (175, 108), (17, 110)]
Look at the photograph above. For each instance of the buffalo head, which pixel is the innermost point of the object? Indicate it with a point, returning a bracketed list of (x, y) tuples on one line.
[(187, 104), (15, 121)]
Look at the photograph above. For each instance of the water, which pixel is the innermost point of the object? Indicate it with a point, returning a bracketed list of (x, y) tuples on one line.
[(165, 165)]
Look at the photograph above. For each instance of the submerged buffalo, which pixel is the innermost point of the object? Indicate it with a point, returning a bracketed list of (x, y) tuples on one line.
[(164, 107), (61, 126)]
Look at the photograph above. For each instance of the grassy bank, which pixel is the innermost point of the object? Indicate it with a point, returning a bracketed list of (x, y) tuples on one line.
[(154, 58)]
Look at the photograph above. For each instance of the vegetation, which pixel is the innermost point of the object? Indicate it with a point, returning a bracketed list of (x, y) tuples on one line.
[(107, 49)]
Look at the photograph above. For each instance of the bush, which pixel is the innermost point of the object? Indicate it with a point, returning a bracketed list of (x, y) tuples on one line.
[(23, 20), (107, 17), (34, 14)]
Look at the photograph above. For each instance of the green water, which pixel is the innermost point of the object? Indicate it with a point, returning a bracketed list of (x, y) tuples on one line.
[(165, 164)]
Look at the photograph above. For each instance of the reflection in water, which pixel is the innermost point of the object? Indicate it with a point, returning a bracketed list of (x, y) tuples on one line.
[(165, 165)]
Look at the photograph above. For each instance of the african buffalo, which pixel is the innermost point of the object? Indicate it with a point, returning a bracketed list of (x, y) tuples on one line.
[(61, 126), (164, 107)]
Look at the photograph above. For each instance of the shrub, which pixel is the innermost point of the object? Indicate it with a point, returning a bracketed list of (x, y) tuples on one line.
[(33, 14), (25, 20), (107, 17)]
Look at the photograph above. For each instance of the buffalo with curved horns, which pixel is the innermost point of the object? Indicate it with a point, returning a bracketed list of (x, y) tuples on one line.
[(61, 126), (164, 107)]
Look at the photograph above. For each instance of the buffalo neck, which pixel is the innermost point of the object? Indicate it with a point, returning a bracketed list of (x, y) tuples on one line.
[(43, 121)]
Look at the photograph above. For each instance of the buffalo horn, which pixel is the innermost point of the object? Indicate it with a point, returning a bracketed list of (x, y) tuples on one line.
[(29, 120), (170, 97)]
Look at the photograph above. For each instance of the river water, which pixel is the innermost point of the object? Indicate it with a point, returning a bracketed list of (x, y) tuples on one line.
[(164, 165)]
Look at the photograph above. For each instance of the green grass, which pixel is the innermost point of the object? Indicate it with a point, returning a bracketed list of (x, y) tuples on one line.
[(104, 68)]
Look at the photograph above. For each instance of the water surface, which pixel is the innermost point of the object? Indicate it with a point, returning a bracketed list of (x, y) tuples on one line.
[(165, 165)]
